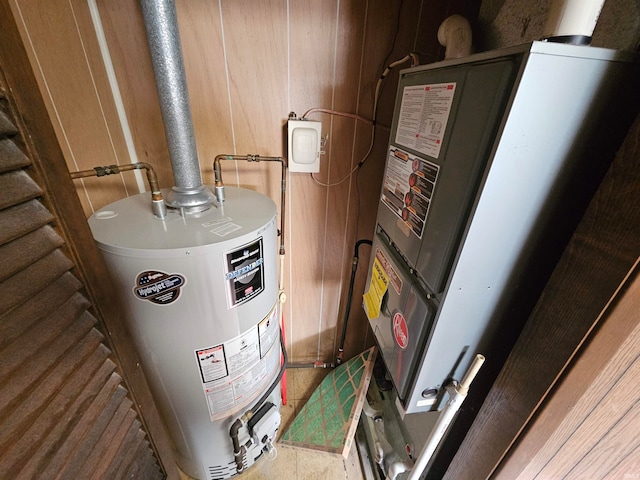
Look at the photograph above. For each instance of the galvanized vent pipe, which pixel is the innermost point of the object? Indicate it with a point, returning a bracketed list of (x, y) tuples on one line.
[(161, 24)]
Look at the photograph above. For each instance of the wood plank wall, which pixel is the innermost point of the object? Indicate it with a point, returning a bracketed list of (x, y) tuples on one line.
[(248, 64)]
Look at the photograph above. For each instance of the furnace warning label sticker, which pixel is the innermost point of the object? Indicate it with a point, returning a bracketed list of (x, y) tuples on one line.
[(158, 287), (408, 186), (377, 288), (244, 273), (423, 118), (387, 266)]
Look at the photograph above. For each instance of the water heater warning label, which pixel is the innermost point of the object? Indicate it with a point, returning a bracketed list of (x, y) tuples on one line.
[(235, 372), (268, 330), (213, 364), (244, 273)]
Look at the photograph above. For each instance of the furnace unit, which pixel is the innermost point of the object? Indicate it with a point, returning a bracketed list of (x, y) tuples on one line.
[(490, 158)]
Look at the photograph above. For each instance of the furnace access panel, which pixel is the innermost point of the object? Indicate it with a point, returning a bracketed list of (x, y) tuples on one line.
[(444, 125)]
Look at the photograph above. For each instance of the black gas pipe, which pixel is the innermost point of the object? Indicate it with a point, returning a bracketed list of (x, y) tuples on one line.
[(347, 311)]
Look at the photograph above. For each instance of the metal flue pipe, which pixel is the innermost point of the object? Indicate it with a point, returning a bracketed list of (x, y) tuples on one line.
[(163, 37)]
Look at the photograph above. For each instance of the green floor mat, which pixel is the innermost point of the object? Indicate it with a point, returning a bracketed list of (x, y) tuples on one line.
[(328, 421)]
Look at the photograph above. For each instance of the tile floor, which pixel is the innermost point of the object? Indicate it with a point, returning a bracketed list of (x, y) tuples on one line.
[(294, 464)]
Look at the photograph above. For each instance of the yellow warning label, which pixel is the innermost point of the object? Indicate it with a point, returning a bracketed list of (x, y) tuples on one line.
[(377, 289)]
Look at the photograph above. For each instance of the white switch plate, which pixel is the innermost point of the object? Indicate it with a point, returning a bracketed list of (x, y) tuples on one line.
[(304, 145)]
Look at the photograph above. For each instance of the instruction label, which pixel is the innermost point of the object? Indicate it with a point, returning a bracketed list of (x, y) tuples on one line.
[(225, 229), (222, 226), (407, 189), (235, 372), (268, 330), (423, 118), (244, 273), (213, 364)]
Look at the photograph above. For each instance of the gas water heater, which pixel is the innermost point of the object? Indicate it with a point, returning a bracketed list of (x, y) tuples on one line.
[(197, 275), (201, 293)]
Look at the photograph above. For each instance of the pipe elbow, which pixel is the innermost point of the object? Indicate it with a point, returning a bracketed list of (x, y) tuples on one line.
[(158, 206), (238, 450), (217, 177), (455, 35), (235, 428), (152, 178)]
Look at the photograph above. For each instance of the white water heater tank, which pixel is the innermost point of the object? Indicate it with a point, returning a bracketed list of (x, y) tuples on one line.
[(202, 298)]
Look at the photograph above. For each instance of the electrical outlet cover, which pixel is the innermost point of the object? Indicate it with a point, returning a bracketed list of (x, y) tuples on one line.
[(304, 145)]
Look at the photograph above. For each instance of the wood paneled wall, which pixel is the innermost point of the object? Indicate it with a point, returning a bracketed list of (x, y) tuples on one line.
[(248, 64)]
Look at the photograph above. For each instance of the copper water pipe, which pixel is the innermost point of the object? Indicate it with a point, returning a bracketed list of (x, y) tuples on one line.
[(219, 185), (157, 201)]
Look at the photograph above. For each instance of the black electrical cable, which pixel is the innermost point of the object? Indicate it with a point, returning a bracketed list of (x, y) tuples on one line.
[(395, 37), (266, 394), (354, 268), (393, 46)]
